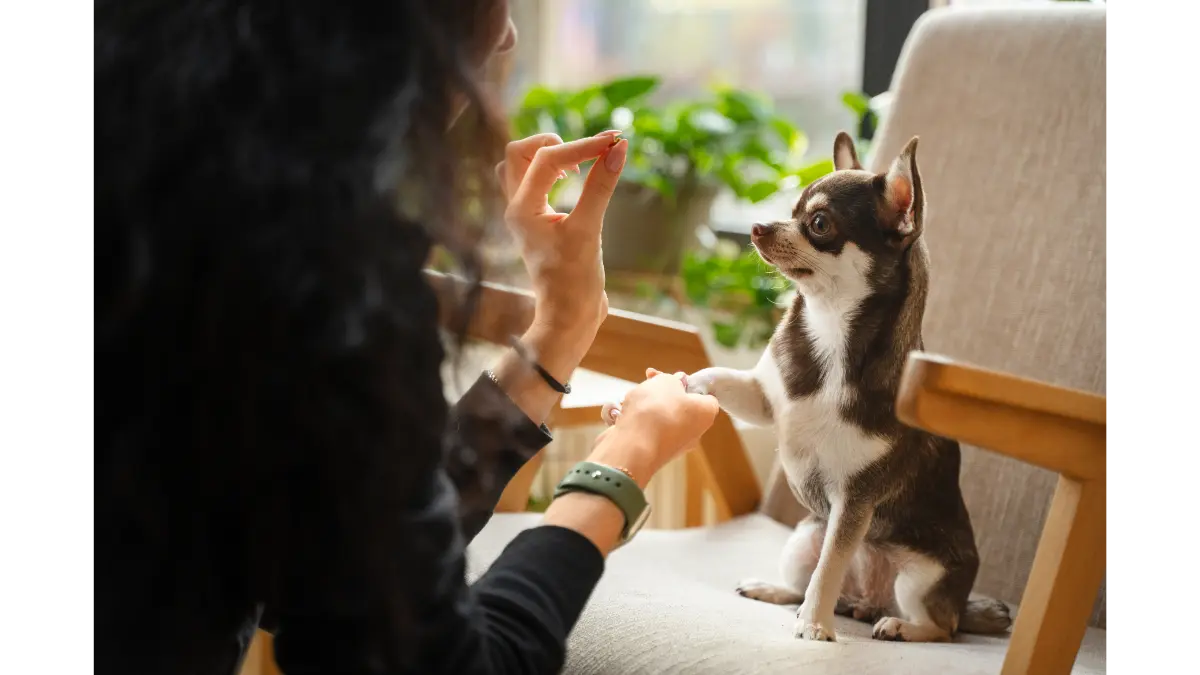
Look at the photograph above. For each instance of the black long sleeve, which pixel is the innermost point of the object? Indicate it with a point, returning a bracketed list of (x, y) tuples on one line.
[(514, 619), (488, 440)]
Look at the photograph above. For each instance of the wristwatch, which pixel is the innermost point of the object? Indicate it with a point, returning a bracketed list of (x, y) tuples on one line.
[(613, 484)]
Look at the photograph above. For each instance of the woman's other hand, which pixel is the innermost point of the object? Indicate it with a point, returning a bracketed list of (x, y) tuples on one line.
[(562, 251), (658, 421)]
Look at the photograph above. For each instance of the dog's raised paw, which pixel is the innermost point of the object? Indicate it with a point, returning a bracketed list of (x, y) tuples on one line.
[(814, 630), (700, 382)]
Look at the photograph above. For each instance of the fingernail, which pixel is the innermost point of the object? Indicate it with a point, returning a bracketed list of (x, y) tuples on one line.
[(616, 156), (610, 132)]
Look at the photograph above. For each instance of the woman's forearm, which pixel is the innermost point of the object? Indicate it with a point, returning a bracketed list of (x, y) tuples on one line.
[(594, 516)]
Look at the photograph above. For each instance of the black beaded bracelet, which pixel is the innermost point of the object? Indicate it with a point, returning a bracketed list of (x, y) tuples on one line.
[(524, 354)]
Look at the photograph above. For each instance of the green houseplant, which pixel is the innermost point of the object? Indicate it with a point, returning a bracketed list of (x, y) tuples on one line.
[(680, 155)]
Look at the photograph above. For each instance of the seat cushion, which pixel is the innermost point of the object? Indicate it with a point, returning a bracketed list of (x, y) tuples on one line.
[(666, 605)]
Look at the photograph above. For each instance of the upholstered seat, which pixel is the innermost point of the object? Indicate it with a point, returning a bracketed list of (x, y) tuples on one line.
[(666, 605)]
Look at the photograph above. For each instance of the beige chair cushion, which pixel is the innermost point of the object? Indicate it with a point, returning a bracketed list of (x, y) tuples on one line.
[(666, 605)]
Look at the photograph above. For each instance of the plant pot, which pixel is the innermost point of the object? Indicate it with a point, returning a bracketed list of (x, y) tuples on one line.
[(645, 233)]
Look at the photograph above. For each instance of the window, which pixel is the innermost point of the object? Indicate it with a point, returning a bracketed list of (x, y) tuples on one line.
[(803, 53)]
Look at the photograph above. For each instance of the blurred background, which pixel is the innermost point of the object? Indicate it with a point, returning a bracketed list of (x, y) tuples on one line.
[(731, 107)]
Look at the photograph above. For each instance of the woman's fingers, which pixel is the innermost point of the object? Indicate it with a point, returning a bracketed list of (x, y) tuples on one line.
[(507, 187), (543, 171), (600, 184), (517, 157), (707, 405), (610, 413)]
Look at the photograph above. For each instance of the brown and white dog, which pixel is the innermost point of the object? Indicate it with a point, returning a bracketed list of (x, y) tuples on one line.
[(888, 539)]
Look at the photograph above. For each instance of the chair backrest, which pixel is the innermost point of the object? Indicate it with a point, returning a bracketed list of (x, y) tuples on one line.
[(1010, 108)]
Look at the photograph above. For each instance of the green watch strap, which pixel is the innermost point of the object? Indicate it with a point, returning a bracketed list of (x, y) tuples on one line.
[(615, 486)]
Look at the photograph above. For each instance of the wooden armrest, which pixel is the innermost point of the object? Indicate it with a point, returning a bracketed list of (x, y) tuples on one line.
[(626, 344), (1052, 427)]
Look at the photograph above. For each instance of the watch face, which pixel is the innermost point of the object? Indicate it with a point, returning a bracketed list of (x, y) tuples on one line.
[(641, 520)]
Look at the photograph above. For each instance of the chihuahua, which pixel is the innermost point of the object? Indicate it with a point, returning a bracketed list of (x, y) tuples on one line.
[(888, 539)]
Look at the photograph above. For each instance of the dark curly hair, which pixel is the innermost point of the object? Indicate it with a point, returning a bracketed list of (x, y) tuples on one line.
[(270, 178)]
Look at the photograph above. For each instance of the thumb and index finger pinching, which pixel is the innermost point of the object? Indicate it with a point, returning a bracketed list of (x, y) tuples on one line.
[(600, 184), (550, 160)]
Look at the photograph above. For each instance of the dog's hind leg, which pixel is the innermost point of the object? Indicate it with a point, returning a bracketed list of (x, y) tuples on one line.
[(931, 596), (868, 593)]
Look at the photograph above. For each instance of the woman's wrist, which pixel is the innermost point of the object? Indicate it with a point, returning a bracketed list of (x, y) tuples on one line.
[(558, 352), (595, 516), (630, 453), (558, 348)]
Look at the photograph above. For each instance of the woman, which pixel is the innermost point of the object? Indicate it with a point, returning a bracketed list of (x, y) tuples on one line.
[(273, 444)]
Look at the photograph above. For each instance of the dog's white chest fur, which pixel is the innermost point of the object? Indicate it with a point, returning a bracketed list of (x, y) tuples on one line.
[(813, 435)]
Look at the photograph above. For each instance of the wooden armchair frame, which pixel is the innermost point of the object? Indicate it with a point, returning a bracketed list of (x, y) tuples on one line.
[(626, 343), (1059, 429)]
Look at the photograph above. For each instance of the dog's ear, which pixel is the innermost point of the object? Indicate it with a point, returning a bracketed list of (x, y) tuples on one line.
[(844, 155), (903, 198)]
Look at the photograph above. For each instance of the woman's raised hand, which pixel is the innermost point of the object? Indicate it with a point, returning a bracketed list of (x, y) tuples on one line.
[(562, 251)]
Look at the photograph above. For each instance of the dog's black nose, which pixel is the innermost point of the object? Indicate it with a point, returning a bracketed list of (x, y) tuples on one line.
[(760, 230)]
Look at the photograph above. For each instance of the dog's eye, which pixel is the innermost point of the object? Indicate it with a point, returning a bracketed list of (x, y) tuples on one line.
[(819, 225)]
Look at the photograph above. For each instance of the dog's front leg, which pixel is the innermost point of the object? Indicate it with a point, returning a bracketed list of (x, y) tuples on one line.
[(738, 392), (741, 393), (848, 523)]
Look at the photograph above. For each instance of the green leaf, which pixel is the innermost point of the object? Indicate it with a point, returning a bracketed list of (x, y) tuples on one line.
[(540, 97), (648, 122), (727, 334), (794, 140), (814, 171), (787, 132), (710, 121), (760, 191), (730, 176), (649, 177), (741, 106), (580, 99), (858, 103), (622, 91)]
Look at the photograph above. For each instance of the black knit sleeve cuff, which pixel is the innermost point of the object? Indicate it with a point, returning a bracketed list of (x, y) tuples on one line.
[(487, 394)]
